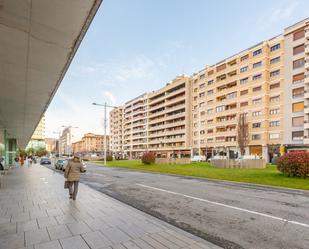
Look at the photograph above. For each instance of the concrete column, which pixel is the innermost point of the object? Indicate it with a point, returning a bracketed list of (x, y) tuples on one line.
[(10, 149), (265, 155)]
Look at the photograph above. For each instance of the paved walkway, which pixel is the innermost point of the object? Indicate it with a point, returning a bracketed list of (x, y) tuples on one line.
[(36, 213)]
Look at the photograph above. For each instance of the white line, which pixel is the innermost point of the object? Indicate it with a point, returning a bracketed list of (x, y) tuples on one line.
[(227, 206)]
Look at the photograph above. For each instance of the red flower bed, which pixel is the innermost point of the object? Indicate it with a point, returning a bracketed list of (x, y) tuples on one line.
[(148, 158), (294, 164)]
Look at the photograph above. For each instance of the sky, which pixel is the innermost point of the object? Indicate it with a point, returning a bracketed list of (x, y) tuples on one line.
[(136, 46)]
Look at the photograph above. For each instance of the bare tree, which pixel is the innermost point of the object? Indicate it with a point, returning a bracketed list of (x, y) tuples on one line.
[(242, 132)]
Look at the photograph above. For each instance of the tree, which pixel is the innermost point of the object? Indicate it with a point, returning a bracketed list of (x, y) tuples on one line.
[(41, 152), (30, 151), (242, 132)]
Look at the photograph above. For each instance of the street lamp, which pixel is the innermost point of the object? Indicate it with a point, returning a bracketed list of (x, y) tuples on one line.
[(105, 105)]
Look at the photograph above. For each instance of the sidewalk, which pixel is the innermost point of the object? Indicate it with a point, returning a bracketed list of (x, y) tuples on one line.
[(36, 213)]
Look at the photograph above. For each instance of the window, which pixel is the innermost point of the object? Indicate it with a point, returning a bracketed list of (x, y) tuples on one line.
[(256, 113), (298, 34), (298, 107), (221, 67), (210, 140), (275, 47), (275, 60), (220, 108), (209, 102), (195, 98), (257, 101), (298, 63), (257, 76), (202, 76), (297, 135), (202, 104), (243, 92), (231, 95), (195, 81), (210, 131), (274, 98), (274, 111), (256, 89), (210, 92), (298, 92), (245, 57), (257, 64), (242, 104), (298, 121), (195, 90), (202, 85), (202, 113), (195, 116), (244, 69), (210, 82), (274, 73), (209, 111), (256, 137), (275, 85), (210, 72), (210, 121), (256, 125), (299, 49), (274, 123), (274, 136), (298, 78), (243, 81), (202, 94), (257, 52)]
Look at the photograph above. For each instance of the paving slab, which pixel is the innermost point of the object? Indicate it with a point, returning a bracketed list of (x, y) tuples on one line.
[(36, 213)]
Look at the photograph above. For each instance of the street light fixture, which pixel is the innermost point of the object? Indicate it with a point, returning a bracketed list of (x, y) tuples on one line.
[(105, 105)]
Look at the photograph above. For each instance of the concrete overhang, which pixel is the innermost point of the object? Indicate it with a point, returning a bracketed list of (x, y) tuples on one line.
[(38, 40)]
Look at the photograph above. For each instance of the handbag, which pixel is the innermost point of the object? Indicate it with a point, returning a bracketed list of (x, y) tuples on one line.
[(66, 182)]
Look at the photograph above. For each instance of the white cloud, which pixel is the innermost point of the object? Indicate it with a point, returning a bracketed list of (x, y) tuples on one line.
[(277, 14), (110, 96)]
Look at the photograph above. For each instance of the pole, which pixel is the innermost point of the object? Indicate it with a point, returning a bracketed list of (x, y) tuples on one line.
[(199, 136), (105, 121)]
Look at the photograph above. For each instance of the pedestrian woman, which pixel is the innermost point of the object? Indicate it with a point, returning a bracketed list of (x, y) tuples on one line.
[(72, 175)]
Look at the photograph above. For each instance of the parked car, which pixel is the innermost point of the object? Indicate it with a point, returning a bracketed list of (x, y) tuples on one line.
[(61, 164), (45, 160), (217, 157), (198, 159)]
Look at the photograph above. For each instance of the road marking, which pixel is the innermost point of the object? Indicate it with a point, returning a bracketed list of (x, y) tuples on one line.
[(227, 206)]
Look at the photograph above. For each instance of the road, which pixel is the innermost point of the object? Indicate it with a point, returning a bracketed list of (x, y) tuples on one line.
[(231, 215)]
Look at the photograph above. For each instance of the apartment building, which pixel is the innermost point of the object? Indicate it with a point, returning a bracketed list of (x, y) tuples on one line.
[(250, 82), (116, 131), (90, 143), (169, 125), (296, 111), (267, 83), (135, 126)]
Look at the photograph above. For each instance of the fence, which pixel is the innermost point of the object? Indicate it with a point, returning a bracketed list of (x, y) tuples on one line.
[(173, 161), (239, 163)]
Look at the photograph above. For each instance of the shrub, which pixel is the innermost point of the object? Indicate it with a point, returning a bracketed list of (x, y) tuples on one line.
[(109, 158), (148, 158), (86, 159), (294, 164)]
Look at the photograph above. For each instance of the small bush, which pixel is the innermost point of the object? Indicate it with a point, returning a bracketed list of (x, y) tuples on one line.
[(109, 158), (294, 164), (86, 159), (148, 158)]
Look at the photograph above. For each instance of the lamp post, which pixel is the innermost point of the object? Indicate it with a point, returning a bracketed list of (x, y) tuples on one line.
[(105, 105)]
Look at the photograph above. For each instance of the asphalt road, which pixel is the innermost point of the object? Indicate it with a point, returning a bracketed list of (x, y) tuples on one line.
[(231, 215)]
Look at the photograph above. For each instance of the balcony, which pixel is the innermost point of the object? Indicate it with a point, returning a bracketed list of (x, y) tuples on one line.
[(170, 94), (306, 96), (306, 80), (307, 65), (306, 110), (307, 49), (155, 107), (306, 125)]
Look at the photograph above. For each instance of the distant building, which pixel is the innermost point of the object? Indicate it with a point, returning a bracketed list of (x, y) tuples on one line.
[(90, 143), (38, 136), (51, 145)]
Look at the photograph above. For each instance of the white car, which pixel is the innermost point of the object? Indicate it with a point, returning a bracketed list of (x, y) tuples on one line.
[(249, 157), (217, 157), (198, 159)]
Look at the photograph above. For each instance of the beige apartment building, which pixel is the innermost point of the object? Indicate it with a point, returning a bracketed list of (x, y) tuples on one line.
[(116, 131), (268, 83), (90, 143)]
